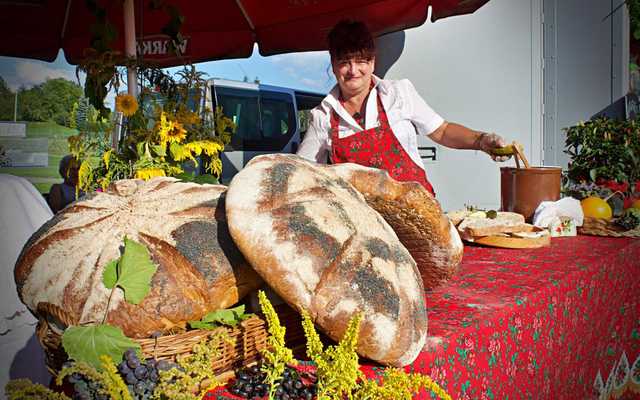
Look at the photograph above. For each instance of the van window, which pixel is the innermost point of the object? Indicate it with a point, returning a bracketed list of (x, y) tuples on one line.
[(265, 122), (304, 117), (278, 121), (242, 107), (278, 116)]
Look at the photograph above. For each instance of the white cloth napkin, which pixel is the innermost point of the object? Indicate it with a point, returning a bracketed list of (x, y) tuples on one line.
[(22, 211), (548, 211)]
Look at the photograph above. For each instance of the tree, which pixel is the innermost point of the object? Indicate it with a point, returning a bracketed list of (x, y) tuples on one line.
[(52, 100), (61, 95), (30, 107), (7, 98)]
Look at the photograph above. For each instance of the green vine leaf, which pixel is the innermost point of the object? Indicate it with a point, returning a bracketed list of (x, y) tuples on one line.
[(110, 274), (229, 317), (132, 272), (88, 343)]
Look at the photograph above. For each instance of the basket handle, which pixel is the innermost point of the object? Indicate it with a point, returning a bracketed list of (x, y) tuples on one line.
[(45, 310)]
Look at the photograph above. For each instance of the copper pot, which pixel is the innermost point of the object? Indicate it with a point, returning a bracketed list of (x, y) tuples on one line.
[(523, 189)]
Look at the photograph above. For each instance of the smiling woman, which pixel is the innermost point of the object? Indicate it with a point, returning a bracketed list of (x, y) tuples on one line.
[(374, 122)]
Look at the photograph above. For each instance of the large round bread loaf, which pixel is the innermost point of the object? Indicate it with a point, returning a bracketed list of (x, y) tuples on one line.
[(316, 242), (182, 224), (416, 217)]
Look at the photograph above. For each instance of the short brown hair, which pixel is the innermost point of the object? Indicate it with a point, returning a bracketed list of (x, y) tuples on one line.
[(351, 39)]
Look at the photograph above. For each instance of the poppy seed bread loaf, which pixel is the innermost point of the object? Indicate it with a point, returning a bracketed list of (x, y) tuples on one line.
[(315, 241), (416, 217)]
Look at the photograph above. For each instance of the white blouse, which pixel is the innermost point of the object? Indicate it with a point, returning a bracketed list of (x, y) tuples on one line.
[(407, 112)]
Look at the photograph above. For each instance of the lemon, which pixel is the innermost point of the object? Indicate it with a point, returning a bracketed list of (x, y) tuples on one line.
[(595, 207)]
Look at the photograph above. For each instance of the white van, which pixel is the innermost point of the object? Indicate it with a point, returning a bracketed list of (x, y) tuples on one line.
[(269, 119)]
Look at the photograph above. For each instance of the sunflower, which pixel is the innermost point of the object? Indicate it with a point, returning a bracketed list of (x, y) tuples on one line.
[(126, 104), (170, 131), (148, 173), (177, 133)]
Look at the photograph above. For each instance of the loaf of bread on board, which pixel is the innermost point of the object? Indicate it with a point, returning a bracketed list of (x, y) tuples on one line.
[(504, 222)]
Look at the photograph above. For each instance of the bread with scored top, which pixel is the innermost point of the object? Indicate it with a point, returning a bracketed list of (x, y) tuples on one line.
[(183, 225)]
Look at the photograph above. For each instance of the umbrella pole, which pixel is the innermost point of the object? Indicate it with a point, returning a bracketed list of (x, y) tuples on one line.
[(130, 45)]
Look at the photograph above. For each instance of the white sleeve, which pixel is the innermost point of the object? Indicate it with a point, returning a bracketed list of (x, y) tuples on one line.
[(422, 116), (315, 146)]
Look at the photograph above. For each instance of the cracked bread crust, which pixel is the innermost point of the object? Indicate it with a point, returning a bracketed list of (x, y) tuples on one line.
[(314, 239)]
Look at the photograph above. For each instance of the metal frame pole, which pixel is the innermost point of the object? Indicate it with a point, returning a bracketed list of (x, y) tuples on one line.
[(130, 45)]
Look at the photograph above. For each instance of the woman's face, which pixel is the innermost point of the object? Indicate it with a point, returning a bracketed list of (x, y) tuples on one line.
[(353, 74)]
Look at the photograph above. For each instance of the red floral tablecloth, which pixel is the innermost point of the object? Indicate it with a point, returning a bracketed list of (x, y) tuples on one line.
[(561, 322)]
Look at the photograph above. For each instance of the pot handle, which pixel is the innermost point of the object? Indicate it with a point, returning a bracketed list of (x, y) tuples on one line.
[(518, 152)]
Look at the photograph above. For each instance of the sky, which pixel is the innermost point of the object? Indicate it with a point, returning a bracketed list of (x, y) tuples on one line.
[(306, 71)]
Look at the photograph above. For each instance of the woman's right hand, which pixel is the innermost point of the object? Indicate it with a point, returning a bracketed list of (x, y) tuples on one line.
[(488, 142)]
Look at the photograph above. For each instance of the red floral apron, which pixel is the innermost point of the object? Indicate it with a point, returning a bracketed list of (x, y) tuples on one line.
[(376, 147)]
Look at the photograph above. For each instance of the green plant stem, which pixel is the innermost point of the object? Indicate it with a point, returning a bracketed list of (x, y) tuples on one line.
[(106, 311)]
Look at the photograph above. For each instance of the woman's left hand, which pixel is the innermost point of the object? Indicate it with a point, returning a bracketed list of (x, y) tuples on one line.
[(490, 141)]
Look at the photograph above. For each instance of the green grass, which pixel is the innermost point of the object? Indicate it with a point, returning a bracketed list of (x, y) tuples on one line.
[(49, 129), (44, 177), (42, 187)]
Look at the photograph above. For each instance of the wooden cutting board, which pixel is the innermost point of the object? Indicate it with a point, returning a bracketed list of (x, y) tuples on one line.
[(513, 242), (509, 242)]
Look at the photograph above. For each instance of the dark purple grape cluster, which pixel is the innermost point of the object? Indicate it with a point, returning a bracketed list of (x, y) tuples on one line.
[(83, 387), (249, 384), (293, 388), (141, 378)]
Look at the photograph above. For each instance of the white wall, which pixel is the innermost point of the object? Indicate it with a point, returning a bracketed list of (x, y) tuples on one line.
[(586, 65), (13, 129), (525, 69), (484, 71)]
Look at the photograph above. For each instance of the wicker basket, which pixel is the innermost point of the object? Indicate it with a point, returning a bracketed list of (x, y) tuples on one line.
[(603, 227), (244, 348)]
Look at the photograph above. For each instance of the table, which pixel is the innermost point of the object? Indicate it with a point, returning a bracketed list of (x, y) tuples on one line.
[(561, 322)]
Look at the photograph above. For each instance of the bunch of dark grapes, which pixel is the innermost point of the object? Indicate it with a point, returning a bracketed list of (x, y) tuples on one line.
[(293, 388), (141, 378), (250, 385), (84, 388)]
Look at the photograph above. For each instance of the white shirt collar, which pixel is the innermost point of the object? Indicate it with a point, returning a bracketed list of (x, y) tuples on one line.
[(332, 102)]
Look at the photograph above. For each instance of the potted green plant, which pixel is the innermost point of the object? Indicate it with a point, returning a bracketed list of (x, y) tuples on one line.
[(604, 159)]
